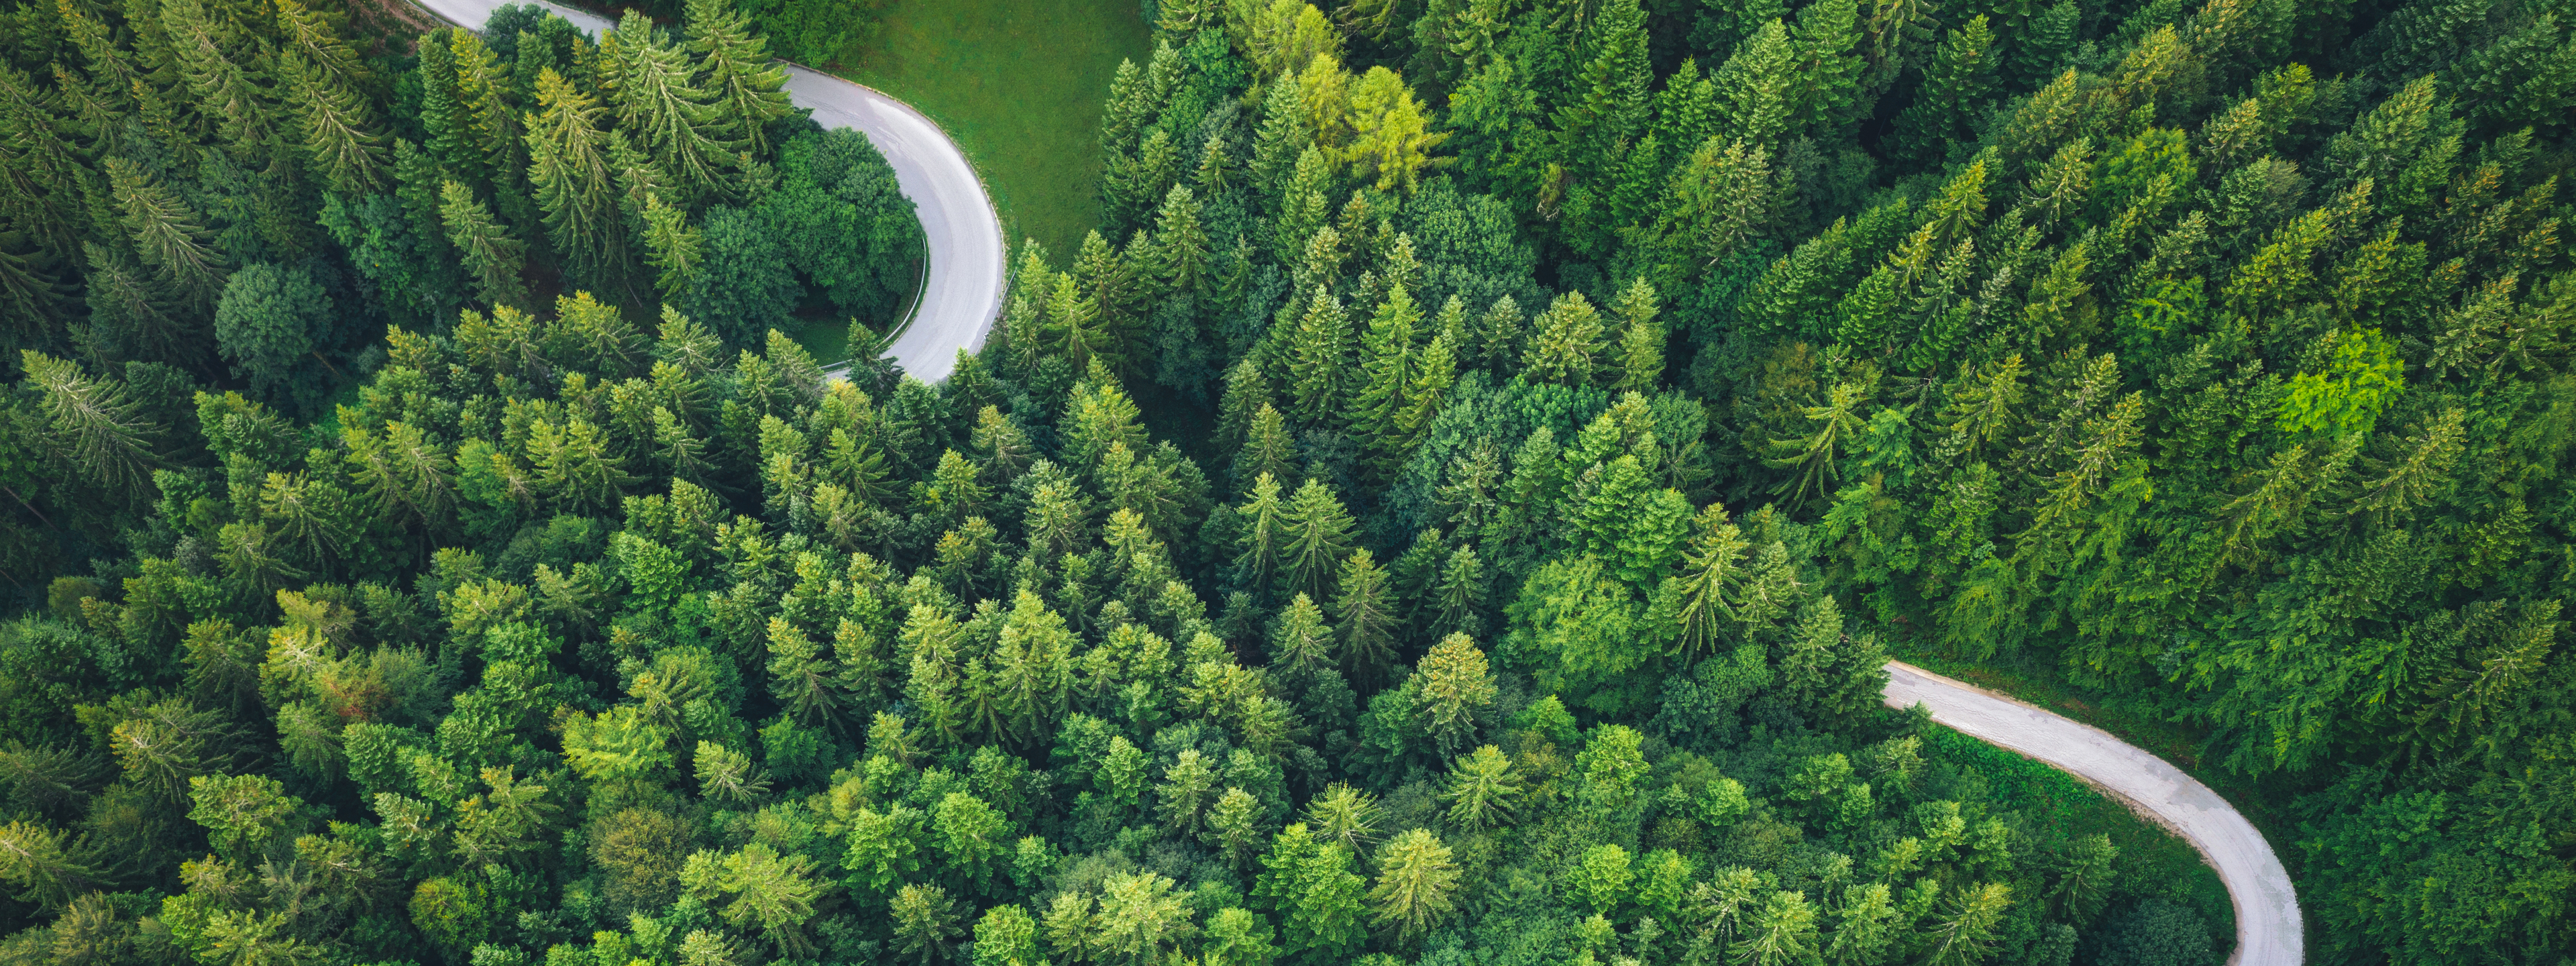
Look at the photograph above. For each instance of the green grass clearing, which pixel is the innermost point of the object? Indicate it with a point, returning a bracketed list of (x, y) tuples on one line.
[(1019, 85)]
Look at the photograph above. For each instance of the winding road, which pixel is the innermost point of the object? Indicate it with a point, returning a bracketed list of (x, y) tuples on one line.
[(961, 292), (2267, 909)]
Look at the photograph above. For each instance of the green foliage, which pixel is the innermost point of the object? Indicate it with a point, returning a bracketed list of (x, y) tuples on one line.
[(2118, 344)]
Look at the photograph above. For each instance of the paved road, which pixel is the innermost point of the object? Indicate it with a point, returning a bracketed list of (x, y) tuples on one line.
[(2267, 910), (963, 291)]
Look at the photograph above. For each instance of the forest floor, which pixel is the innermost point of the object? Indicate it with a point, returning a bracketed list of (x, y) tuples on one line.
[(1019, 85)]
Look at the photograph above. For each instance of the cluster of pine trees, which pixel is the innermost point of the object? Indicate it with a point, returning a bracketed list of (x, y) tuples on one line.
[(1600, 390), (243, 193)]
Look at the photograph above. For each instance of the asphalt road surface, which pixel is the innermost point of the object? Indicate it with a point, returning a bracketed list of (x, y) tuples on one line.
[(962, 293), (2267, 910)]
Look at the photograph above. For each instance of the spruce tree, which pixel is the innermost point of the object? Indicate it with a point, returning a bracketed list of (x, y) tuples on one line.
[(1757, 89), (487, 128), (1181, 242), (746, 89), (1432, 376), (569, 168), (658, 102), (1269, 448), (1318, 354), (1608, 102), (1246, 392), (337, 136), (316, 36), (1827, 39), (1641, 341), (169, 234), (1364, 618), (443, 113), (1262, 536), (96, 423), (1387, 369), (672, 247), (1316, 531), (1955, 86), (490, 253), (1565, 346), (209, 55)]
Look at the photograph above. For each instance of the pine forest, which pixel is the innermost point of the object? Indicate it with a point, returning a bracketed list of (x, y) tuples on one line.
[(1453, 511)]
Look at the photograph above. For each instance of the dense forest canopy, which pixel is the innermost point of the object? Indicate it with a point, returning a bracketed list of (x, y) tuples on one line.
[(1453, 512)]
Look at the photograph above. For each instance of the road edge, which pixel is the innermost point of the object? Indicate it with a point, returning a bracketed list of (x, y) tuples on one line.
[(2237, 898), (921, 281)]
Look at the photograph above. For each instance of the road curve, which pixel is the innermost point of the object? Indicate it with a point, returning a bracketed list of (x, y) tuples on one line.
[(961, 294), (2267, 909)]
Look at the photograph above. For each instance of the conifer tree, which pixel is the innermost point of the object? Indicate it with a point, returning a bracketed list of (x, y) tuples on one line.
[(1955, 85), (1565, 347), (1314, 531), (1268, 449), (490, 253), (1481, 790), (1264, 534), (1723, 197), (1641, 341), (1388, 367), (1364, 617), (348, 156), (1609, 97), (1499, 335), (672, 247), (486, 128), (569, 169), (1318, 354), (1757, 89), (658, 103), (442, 108), (1414, 884), (207, 50), (316, 36), (169, 234), (1827, 39), (134, 309), (97, 425), (1180, 242), (746, 89), (1433, 375), (1392, 136), (1301, 643), (1247, 391)]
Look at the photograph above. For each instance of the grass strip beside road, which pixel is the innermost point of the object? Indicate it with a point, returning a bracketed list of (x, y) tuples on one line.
[(1019, 84)]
